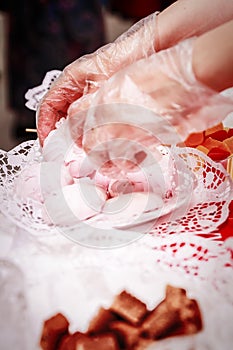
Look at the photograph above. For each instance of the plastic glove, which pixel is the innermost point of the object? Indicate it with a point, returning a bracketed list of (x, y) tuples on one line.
[(87, 73), (154, 101)]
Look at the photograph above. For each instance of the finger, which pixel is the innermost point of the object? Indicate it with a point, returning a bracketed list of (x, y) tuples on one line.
[(56, 102)]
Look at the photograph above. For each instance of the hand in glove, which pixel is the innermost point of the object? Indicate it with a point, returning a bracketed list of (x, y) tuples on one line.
[(157, 100)]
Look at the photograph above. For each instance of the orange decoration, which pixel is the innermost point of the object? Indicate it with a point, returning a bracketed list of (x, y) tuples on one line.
[(194, 139), (229, 144), (213, 129), (203, 149), (212, 143)]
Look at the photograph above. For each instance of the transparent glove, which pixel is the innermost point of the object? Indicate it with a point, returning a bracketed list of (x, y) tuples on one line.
[(87, 73), (156, 100)]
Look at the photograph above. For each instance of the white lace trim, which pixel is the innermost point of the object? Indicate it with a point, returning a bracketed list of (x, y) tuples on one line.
[(35, 95)]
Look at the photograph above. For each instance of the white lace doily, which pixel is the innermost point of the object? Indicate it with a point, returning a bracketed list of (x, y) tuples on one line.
[(174, 243), (205, 209)]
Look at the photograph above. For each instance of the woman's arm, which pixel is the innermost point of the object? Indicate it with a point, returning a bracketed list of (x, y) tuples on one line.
[(213, 57), (187, 18)]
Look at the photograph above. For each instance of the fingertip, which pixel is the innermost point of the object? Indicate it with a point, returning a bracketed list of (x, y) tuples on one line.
[(47, 119)]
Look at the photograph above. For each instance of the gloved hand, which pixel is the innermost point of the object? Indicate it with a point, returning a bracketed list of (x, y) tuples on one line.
[(86, 74), (156, 100)]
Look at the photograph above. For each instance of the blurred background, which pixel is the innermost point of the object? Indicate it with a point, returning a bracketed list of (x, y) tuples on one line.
[(40, 35)]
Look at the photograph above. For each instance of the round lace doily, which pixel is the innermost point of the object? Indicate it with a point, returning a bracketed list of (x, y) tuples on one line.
[(205, 208), (175, 241)]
